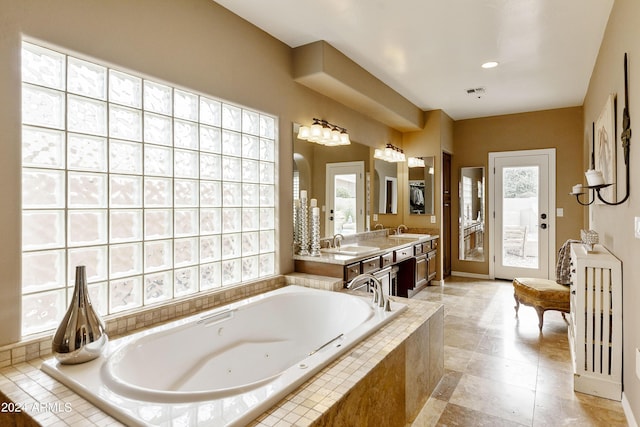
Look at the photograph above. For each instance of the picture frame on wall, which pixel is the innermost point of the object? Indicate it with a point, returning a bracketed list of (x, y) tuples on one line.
[(605, 148)]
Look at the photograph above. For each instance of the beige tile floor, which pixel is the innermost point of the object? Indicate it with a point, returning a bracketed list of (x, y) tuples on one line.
[(500, 370)]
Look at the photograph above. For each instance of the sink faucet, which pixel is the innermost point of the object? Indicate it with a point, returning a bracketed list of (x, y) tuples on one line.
[(378, 294), (400, 228), (337, 238), (378, 224)]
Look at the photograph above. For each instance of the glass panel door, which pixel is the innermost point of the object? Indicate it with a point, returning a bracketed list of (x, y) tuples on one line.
[(523, 227), (345, 198)]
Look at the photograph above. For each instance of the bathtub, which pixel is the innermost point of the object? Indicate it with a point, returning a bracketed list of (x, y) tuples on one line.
[(225, 366)]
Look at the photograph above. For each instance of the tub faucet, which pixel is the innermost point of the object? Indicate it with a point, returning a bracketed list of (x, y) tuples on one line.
[(378, 294), (337, 238), (400, 228)]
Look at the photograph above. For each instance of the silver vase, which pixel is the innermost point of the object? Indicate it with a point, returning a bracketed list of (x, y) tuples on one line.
[(81, 336)]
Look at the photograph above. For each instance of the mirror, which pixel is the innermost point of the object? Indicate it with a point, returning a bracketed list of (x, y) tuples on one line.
[(421, 184), (385, 187), (312, 170), (471, 217)]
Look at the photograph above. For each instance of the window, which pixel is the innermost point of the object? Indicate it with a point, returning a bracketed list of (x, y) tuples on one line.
[(467, 195), (159, 191)]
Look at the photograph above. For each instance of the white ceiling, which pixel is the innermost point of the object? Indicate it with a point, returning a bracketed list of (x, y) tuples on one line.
[(430, 51)]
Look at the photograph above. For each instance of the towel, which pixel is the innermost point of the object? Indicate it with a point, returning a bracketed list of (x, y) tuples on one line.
[(563, 264), (417, 197)]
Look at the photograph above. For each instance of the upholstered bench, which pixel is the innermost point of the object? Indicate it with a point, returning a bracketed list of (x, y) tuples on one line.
[(541, 294)]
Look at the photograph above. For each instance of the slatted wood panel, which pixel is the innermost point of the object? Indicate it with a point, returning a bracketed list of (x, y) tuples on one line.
[(595, 330)]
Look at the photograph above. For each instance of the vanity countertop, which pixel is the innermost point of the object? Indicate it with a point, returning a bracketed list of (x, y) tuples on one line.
[(363, 249)]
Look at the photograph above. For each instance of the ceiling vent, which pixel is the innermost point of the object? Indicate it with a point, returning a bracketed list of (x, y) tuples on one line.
[(477, 92)]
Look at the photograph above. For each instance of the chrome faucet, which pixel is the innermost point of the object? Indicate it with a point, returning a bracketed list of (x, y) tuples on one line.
[(400, 228), (337, 238), (327, 240), (378, 224), (378, 294)]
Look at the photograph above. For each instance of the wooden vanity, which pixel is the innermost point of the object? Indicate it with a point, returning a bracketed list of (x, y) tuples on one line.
[(404, 264)]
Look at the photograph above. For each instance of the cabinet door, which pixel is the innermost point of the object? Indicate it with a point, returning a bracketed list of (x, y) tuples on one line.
[(422, 269), (431, 261)]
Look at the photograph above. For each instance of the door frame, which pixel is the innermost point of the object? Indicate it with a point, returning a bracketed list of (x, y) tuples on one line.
[(393, 197), (551, 249), (357, 168)]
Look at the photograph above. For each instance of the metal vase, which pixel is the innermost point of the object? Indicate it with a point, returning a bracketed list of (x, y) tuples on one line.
[(81, 336)]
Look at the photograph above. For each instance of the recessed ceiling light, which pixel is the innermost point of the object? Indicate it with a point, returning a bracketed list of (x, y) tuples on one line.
[(490, 64)]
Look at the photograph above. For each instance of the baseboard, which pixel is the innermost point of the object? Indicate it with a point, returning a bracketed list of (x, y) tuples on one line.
[(627, 411), (471, 275)]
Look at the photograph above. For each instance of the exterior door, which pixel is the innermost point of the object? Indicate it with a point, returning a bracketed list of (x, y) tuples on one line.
[(523, 219), (345, 198)]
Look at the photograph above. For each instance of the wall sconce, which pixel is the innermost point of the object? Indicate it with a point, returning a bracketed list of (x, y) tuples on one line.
[(324, 133), (415, 162), (390, 153), (595, 180)]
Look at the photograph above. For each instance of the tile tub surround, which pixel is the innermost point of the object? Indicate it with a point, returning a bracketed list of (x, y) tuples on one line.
[(338, 392), (39, 346)]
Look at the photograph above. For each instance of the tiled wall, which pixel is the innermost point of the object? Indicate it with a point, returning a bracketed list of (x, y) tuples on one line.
[(40, 346)]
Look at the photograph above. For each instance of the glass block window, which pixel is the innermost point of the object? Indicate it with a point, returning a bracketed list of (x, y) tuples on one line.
[(160, 192)]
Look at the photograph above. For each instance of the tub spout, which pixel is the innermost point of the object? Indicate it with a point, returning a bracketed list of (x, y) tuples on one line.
[(378, 294)]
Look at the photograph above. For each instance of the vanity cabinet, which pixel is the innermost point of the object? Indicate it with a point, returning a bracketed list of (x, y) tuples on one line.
[(385, 272), (595, 322), (417, 271), (403, 269)]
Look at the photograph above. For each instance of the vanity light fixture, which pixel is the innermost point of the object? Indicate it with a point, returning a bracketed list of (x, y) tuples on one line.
[(324, 133), (390, 153), (415, 162)]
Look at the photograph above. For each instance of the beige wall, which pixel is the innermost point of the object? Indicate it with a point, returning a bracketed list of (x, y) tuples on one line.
[(195, 44), (436, 137), (560, 129), (615, 223)]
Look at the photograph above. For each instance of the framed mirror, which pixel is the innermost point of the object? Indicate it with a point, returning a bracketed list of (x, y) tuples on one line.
[(385, 187), (325, 172), (471, 215), (421, 182)]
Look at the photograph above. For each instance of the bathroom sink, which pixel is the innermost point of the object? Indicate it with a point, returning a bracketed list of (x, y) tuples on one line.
[(351, 250), (410, 236)]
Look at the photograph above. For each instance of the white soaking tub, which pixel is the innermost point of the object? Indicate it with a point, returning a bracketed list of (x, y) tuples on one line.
[(225, 366)]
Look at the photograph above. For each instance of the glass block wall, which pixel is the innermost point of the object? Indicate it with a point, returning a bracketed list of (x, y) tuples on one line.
[(159, 191)]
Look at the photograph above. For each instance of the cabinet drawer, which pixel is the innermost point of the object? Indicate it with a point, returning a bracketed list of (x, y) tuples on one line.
[(402, 254), (387, 259), (417, 249), (371, 264), (351, 271)]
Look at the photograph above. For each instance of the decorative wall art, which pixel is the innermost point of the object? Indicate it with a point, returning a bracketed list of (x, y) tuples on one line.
[(605, 148)]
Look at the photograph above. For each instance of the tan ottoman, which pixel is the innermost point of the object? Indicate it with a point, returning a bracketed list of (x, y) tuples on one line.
[(541, 294)]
